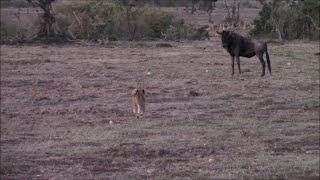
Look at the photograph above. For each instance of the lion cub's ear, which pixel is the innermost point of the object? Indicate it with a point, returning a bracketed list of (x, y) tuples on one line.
[(134, 91)]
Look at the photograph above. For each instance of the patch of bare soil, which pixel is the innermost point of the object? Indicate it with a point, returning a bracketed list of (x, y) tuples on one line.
[(57, 103)]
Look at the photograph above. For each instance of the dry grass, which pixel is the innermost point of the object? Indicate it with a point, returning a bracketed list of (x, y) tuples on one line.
[(201, 123)]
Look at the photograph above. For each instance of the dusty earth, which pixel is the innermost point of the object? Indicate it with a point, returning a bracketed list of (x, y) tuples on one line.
[(65, 112)]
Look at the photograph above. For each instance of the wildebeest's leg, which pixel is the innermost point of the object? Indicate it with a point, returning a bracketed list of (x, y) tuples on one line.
[(232, 64), (238, 63), (263, 64), (268, 60)]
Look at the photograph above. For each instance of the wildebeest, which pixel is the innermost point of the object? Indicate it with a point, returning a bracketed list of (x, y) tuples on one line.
[(238, 45)]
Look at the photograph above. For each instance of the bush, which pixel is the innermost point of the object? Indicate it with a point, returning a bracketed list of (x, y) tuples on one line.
[(101, 20), (156, 21), (179, 30), (285, 21), (11, 33), (85, 20), (111, 20)]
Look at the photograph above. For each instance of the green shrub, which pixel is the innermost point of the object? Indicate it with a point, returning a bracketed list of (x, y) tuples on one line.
[(156, 21), (111, 20), (173, 33), (96, 19), (88, 20), (11, 33), (286, 21)]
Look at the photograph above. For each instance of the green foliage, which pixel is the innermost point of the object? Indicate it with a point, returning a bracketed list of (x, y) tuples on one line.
[(198, 34), (156, 21), (103, 20), (11, 33), (111, 20), (295, 20), (87, 20), (310, 9), (179, 30)]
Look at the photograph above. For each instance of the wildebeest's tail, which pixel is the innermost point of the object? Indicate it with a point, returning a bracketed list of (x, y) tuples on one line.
[(268, 59)]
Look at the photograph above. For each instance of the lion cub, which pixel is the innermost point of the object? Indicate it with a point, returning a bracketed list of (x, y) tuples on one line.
[(138, 102)]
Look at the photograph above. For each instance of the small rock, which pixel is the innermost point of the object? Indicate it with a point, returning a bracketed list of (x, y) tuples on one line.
[(110, 122), (194, 93), (312, 152), (149, 171)]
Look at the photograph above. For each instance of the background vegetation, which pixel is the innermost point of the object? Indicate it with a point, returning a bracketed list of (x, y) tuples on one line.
[(288, 20), (135, 20), (111, 20)]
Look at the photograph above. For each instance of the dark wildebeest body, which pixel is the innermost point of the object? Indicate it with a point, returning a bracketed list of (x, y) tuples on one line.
[(238, 46)]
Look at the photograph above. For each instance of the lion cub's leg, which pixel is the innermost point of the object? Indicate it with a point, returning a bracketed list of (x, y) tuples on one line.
[(134, 105), (140, 109), (134, 102)]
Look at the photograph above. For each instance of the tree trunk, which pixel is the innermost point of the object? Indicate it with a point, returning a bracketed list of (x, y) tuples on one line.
[(48, 22), (128, 19), (46, 26), (279, 33), (238, 13), (192, 7), (134, 28), (210, 17)]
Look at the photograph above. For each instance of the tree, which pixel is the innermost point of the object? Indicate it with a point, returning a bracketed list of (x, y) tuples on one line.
[(132, 11), (46, 26), (206, 5), (209, 6), (193, 3), (288, 19), (277, 20), (233, 13), (310, 9)]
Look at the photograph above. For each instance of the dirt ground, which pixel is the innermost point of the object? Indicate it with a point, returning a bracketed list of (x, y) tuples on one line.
[(65, 112), (65, 109)]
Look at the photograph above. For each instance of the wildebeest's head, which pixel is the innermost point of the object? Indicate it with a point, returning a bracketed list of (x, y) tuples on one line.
[(225, 38)]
